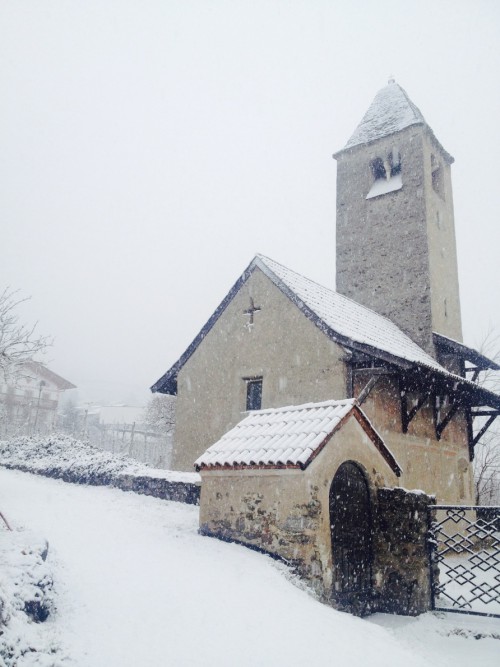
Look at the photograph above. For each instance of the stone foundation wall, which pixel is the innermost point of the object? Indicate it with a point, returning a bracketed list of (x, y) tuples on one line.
[(401, 569), (259, 513), (158, 487), (288, 518)]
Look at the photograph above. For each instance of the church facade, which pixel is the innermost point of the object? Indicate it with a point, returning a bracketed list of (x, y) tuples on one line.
[(386, 347)]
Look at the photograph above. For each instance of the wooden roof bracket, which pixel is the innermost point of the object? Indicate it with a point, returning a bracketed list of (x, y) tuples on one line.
[(441, 424), (408, 415), (475, 370), (483, 413), (363, 394), (470, 433)]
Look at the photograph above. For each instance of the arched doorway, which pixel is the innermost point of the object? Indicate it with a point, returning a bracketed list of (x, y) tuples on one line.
[(351, 533)]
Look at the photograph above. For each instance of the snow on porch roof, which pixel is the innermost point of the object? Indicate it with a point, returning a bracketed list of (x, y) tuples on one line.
[(289, 437)]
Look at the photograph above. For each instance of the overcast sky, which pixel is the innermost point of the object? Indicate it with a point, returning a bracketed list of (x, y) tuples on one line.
[(150, 148)]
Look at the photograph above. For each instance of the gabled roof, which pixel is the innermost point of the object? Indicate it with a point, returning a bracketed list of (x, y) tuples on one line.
[(341, 319), (42, 371), (289, 437), (391, 111), (346, 320)]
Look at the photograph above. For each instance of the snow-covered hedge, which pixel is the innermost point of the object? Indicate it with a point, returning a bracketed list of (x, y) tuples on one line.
[(64, 457), (26, 600)]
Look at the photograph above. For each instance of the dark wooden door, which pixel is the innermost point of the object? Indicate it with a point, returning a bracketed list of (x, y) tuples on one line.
[(351, 524)]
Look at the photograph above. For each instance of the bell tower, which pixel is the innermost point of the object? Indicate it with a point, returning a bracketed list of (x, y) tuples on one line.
[(396, 250)]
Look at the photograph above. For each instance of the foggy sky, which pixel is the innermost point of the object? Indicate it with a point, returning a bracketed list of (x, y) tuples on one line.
[(149, 149)]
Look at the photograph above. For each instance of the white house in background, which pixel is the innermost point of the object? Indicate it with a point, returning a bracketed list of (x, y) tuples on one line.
[(30, 402)]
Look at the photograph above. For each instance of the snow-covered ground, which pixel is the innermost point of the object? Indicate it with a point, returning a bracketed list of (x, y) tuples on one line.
[(137, 586)]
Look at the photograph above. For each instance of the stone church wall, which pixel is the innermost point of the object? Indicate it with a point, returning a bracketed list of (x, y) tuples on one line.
[(396, 253), (401, 567), (382, 251), (297, 362), (443, 266)]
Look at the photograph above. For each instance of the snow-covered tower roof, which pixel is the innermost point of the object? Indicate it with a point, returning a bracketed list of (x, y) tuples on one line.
[(391, 111)]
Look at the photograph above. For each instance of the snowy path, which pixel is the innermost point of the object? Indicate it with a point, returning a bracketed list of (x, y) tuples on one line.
[(139, 587)]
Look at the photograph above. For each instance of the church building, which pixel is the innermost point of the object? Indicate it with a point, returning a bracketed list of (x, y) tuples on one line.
[(294, 394)]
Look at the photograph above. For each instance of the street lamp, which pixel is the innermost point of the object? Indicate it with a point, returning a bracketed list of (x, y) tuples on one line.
[(41, 386)]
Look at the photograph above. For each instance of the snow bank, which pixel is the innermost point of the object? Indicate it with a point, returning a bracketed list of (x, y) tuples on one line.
[(137, 586), (26, 600), (64, 457)]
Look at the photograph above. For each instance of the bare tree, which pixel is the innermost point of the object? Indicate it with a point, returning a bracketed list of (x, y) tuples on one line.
[(159, 413), (487, 470), (487, 451), (19, 343)]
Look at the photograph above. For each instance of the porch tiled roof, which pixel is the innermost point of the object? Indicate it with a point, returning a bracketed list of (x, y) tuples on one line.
[(283, 437)]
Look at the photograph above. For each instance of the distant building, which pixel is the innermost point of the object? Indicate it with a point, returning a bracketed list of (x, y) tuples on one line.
[(29, 403)]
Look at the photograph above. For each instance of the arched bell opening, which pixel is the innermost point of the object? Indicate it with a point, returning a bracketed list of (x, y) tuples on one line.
[(351, 537)]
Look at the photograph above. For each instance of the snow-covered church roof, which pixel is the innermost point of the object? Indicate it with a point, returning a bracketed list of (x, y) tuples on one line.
[(339, 314), (340, 318), (391, 111), (348, 323), (289, 437)]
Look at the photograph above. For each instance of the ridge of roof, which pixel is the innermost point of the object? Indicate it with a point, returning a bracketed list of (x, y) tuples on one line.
[(308, 406), (41, 369), (391, 111)]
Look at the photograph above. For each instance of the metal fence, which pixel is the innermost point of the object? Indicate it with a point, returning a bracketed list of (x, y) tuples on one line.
[(464, 546)]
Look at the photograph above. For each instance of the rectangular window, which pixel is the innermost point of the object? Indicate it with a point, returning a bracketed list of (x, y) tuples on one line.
[(254, 394)]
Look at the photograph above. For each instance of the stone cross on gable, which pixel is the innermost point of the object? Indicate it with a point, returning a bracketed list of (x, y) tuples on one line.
[(251, 311)]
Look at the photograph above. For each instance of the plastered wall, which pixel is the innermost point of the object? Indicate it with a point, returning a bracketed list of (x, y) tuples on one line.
[(296, 360)]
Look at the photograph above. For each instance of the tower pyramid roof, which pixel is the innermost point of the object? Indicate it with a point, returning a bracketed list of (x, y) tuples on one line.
[(391, 111)]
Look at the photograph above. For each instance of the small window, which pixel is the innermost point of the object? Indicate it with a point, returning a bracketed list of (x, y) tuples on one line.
[(378, 168), (386, 173), (437, 177), (254, 394)]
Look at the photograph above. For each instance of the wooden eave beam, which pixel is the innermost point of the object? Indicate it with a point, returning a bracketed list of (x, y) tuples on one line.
[(373, 371), (485, 413)]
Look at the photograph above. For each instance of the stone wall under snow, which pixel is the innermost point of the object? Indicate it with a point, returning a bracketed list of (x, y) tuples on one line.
[(63, 457)]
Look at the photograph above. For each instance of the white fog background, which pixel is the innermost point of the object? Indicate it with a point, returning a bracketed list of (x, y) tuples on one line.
[(149, 149)]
